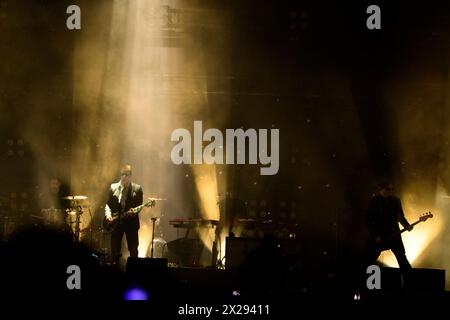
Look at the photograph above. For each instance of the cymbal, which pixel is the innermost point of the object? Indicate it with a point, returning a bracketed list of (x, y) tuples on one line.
[(75, 198)]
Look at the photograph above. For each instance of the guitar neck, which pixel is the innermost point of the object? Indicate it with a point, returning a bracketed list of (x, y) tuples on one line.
[(417, 222), (146, 204), (139, 208), (413, 224)]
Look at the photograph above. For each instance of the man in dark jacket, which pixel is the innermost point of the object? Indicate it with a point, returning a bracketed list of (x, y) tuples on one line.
[(122, 213), (384, 214)]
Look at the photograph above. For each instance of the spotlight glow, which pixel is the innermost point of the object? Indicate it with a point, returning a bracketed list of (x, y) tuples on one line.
[(416, 241)]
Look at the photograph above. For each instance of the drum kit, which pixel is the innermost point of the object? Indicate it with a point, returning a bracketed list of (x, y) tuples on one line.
[(65, 218)]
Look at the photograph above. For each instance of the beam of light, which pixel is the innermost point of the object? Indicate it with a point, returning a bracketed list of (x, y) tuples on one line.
[(99, 103), (206, 183), (207, 190), (148, 121), (158, 102)]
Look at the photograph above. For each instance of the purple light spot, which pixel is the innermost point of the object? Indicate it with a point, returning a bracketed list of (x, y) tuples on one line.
[(135, 294)]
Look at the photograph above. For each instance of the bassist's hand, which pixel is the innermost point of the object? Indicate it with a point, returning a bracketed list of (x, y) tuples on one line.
[(109, 217)]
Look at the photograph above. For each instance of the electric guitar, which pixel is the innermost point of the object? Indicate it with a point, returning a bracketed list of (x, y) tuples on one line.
[(110, 225), (385, 239)]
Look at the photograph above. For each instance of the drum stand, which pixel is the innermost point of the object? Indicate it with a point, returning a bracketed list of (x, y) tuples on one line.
[(153, 237), (75, 204), (77, 224), (103, 250), (78, 211)]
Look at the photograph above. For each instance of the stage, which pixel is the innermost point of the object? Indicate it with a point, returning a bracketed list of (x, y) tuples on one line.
[(255, 156)]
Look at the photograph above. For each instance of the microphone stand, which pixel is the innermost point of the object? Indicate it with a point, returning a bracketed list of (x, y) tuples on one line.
[(153, 236)]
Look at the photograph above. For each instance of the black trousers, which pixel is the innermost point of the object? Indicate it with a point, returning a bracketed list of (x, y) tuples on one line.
[(131, 232), (397, 248)]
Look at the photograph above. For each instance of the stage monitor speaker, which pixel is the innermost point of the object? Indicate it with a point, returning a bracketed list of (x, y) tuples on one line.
[(185, 252), (422, 280), (427, 280), (391, 279), (139, 266)]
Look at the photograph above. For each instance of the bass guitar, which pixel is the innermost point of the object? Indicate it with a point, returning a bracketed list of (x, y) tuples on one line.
[(382, 242)]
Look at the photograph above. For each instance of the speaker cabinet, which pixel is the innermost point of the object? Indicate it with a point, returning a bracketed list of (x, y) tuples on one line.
[(185, 252), (142, 266), (420, 280)]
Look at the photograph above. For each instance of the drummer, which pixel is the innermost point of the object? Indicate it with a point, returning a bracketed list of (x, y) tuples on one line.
[(52, 196)]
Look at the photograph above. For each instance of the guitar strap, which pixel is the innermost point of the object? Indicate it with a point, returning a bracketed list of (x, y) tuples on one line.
[(122, 197)]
